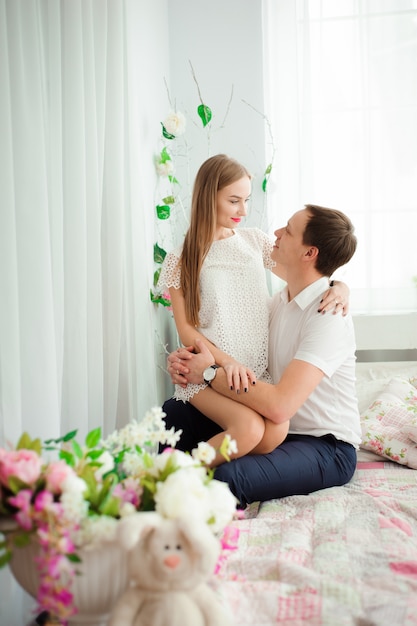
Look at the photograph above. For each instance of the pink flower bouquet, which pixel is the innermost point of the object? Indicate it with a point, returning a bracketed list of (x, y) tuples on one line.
[(68, 496)]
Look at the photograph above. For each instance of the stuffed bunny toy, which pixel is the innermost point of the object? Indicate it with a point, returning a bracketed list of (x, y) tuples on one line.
[(169, 564)]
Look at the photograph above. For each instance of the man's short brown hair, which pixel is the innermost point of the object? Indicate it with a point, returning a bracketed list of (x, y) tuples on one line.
[(332, 232)]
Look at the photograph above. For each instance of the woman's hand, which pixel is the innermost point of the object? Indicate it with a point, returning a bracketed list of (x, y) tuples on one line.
[(238, 376), (184, 365), (176, 365), (336, 299)]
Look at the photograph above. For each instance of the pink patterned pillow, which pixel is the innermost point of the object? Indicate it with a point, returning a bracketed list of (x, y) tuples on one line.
[(389, 425)]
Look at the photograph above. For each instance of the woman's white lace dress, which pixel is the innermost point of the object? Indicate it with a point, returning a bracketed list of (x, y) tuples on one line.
[(234, 311)]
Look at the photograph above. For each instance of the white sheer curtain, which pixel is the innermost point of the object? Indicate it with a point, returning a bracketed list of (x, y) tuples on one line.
[(75, 250), (341, 85)]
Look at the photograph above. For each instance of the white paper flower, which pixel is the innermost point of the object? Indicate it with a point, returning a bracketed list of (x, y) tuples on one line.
[(175, 123), (164, 169)]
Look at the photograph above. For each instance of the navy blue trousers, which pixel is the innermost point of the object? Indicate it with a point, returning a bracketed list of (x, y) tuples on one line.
[(300, 465)]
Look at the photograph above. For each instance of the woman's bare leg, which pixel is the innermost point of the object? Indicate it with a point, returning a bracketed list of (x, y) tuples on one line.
[(274, 435), (243, 424)]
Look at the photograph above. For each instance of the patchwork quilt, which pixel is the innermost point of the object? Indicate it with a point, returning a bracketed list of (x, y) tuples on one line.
[(343, 556)]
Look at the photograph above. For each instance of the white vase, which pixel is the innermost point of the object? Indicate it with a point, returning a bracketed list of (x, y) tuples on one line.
[(103, 577)]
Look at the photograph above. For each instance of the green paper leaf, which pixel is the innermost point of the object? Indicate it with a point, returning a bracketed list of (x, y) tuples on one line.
[(166, 134), (168, 200), (266, 177), (157, 298), (204, 113), (159, 254), (163, 211), (165, 156), (172, 179), (156, 276)]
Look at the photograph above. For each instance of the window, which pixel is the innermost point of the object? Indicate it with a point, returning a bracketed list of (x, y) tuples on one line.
[(341, 99)]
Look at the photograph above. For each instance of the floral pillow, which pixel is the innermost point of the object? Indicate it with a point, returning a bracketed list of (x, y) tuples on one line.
[(389, 425)]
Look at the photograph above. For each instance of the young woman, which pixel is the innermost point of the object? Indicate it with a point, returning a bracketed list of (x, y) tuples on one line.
[(219, 294)]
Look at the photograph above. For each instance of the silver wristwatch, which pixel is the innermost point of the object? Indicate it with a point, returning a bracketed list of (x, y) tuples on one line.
[(209, 373)]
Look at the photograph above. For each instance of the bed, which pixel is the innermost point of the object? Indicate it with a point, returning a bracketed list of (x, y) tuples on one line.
[(345, 555)]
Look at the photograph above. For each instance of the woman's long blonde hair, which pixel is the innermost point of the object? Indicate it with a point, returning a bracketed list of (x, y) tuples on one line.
[(214, 174)]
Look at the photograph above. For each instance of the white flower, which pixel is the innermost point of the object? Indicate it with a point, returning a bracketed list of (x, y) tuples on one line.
[(150, 430), (164, 169), (204, 453), (223, 504), (72, 499), (126, 509), (107, 464), (73, 484), (231, 445), (95, 530), (134, 464), (175, 123), (183, 493)]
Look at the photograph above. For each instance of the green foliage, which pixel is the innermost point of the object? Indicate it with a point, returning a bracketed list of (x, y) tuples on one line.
[(164, 156), (25, 442), (166, 134), (158, 298), (204, 113), (163, 211), (93, 438), (159, 254), (266, 177)]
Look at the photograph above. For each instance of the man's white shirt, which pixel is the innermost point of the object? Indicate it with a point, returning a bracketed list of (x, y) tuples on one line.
[(298, 331)]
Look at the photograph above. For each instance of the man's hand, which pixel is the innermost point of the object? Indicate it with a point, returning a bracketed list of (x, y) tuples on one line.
[(185, 366)]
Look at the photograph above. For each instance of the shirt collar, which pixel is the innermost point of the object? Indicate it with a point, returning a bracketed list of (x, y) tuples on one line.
[(309, 294)]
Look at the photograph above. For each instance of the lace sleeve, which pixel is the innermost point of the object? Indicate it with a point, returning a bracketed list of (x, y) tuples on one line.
[(267, 245), (170, 273)]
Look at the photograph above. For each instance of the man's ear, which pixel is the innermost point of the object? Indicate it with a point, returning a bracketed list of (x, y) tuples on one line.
[(311, 253)]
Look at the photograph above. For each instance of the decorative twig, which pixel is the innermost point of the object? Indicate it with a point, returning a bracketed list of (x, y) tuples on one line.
[(169, 97), (196, 82), (227, 109), (269, 126)]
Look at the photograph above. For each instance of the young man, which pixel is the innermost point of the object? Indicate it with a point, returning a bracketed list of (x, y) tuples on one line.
[(311, 360)]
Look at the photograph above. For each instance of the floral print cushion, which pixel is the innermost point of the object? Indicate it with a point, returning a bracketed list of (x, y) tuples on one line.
[(389, 425)]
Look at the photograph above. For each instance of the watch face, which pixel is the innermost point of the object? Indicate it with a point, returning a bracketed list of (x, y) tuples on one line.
[(209, 374)]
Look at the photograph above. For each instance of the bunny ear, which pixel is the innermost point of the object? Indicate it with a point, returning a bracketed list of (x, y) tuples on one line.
[(202, 540), (131, 527)]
